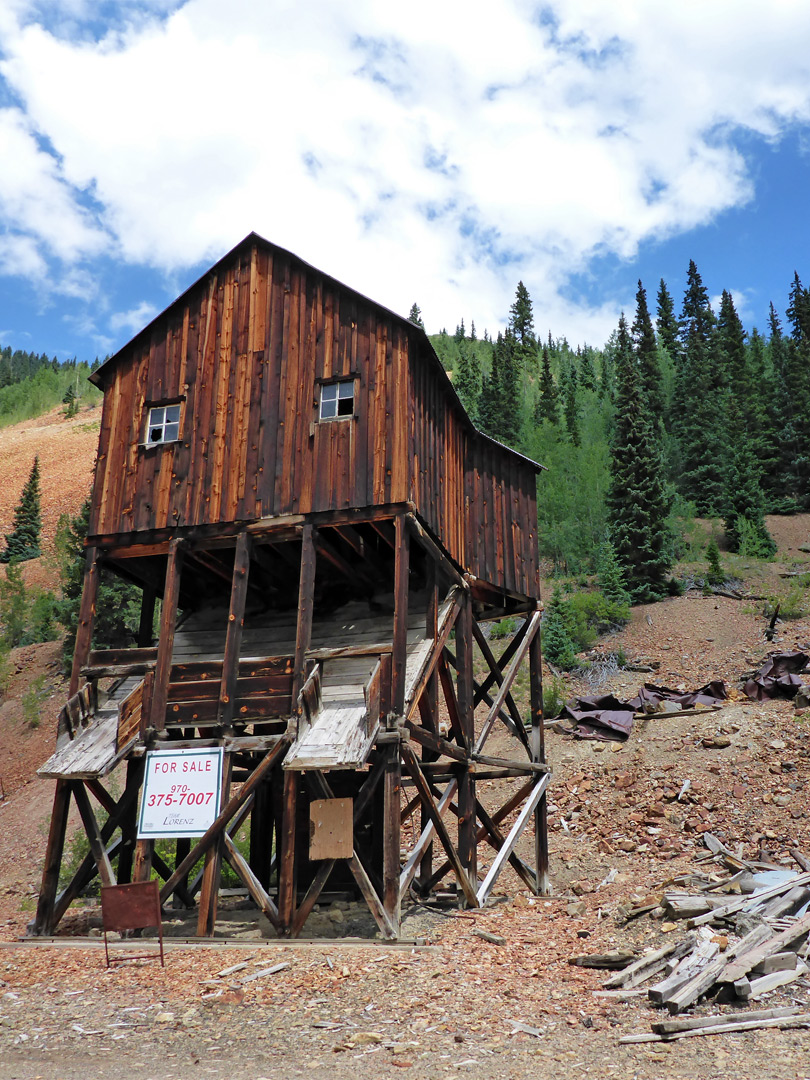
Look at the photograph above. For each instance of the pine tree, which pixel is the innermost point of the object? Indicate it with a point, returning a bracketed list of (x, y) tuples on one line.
[(472, 331), (415, 316), (548, 401), (796, 395), (669, 329), (118, 603), (744, 520), (23, 541), (610, 574), (700, 418), (636, 503), (467, 379), (521, 317), (647, 353), (460, 333), (558, 648), (572, 409)]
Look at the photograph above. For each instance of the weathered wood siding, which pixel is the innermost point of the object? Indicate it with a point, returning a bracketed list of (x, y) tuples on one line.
[(246, 349), (479, 499)]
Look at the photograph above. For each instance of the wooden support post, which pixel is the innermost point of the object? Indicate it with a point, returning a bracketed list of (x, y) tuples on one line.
[(261, 835), (392, 825), (142, 870), (306, 597), (431, 705), (129, 821), (233, 636), (93, 833), (286, 869), (209, 893), (466, 791), (538, 748), (168, 618), (181, 848), (44, 921), (399, 652), (87, 616), (146, 624)]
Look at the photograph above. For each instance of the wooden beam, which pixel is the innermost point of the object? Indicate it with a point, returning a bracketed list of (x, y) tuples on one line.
[(233, 634), (538, 751), (423, 788), (450, 702), (212, 871), (503, 812), (306, 597), (414, 860), (435, 552), (506, 656), (168, 619), (496, 838), (147, 620), (466, 794), (87, 616), (447, 618), (286, 865), (495, 669), (532, 630), (93, 833), (436, 743), (252, 883), (392, 834), (513, 837), (399, 654), (44, 921), (235, 803)]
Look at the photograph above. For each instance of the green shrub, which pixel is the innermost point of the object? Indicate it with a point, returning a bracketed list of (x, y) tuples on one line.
[(12, 607), (41, 618), (503, 628), (715, 574), (554, 694), (754, 540), (32, 701)]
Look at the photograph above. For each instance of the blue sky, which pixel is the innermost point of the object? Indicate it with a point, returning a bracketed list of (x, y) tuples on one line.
[(436, 153)]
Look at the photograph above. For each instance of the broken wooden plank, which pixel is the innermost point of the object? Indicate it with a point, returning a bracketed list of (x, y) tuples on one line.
[(703, 980), (648, 965)]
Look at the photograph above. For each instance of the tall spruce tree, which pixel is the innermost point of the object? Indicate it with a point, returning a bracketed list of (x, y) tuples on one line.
[(499, 412), (744, 520), (647, 353), (521, 319), (700, 417), (548, 400), (669, 329), (415, 315), (467, 378), (636, 502), (23, 541)]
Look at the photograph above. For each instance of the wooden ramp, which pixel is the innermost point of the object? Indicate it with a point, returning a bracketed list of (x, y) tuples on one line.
[(87, 737)]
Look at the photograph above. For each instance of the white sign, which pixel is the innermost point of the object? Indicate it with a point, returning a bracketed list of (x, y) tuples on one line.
[(181, 792)]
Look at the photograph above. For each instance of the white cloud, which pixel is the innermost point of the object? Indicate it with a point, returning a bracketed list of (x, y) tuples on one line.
[(134, 319), (436, 157)]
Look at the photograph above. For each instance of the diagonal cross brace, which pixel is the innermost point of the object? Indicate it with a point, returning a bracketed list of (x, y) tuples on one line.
[(512, 839)]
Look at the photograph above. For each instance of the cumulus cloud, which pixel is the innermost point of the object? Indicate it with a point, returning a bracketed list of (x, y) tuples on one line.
[(438, 157)]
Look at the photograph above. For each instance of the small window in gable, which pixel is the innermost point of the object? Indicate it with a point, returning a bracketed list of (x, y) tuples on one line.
[(337, 399), (163, 424)]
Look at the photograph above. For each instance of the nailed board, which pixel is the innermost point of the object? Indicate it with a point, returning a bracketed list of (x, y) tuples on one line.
[(331, 829)]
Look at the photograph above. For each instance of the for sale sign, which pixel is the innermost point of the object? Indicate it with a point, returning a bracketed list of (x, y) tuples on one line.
[(181, 792)]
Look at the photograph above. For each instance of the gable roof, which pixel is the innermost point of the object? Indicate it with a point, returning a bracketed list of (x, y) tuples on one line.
[(97, 376)]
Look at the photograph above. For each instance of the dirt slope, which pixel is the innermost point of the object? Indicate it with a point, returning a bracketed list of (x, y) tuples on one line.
[(617, 829), (67, 453)]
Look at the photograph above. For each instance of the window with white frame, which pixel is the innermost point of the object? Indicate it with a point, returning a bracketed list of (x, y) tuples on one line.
[(337, 399), (163, 424)]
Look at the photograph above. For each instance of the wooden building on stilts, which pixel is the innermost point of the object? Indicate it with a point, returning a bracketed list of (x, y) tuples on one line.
[(284, 465)]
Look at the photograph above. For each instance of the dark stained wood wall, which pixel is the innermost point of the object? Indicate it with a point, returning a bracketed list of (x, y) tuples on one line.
[(477, 497), (245, 350)]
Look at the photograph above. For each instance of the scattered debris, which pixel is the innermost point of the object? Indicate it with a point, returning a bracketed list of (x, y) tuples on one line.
[(777, 677)]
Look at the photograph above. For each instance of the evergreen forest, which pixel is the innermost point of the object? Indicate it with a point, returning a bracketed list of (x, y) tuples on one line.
[(681, 413), (32, 383)]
